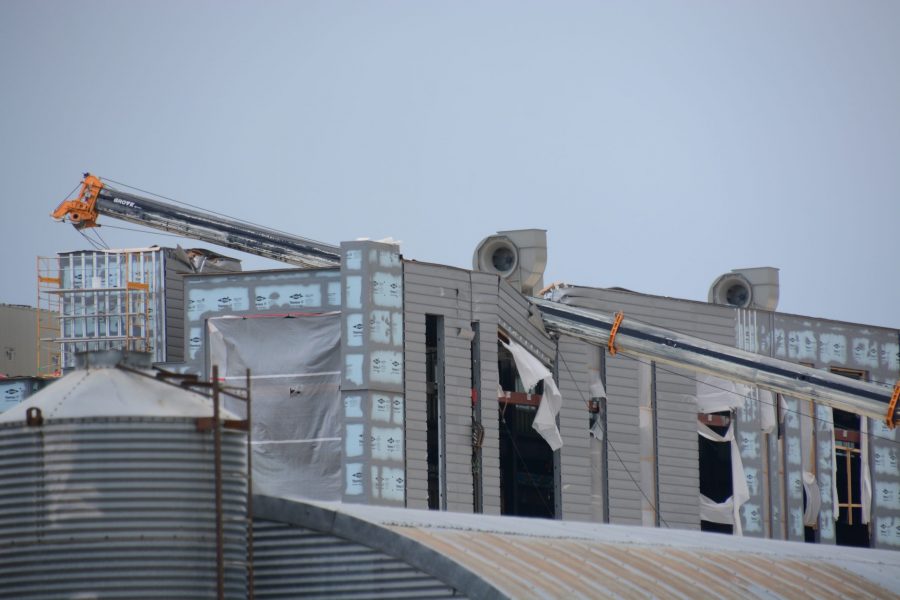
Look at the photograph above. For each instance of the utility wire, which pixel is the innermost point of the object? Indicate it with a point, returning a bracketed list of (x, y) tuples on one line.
[(613, 448)]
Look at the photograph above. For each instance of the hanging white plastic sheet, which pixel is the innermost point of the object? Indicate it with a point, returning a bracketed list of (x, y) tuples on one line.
[(531, 371), (813, 499), (865, 474), (825, 414), (740, 492), (715, 394), (295, 368), (768, 420)]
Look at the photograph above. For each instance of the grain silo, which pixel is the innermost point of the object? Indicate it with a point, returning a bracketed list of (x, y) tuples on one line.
[(108, 489)]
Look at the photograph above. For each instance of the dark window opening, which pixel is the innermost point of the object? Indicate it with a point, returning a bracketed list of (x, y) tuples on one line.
[(527, 476), (434, 385), (849, 528), (715, 470)]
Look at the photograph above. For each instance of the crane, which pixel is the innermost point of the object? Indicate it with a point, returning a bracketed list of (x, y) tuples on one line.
[(98, 198)]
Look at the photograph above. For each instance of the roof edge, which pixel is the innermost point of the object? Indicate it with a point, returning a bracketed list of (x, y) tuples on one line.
[(326, 520)]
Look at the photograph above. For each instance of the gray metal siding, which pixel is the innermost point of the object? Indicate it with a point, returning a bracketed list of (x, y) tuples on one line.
[(514, 312), (623, 440), (676, 420), (295, 562), (678, 476), (438, 290), (485, 299), (461, 297), (577, 472), (174, 303)]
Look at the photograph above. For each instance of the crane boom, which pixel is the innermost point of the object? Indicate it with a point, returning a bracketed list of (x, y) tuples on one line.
[(97, 198)]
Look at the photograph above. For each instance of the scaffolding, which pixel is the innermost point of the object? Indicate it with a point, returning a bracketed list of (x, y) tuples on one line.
[(102, 300)]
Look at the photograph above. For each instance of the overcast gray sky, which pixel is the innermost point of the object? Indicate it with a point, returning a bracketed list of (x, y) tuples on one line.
[(659, 143)]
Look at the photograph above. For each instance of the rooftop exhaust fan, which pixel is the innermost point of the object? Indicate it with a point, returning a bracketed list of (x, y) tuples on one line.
[(518, 256), (746, 288)]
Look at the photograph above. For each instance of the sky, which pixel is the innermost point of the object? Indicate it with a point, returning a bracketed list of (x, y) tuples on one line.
[(659, 143)]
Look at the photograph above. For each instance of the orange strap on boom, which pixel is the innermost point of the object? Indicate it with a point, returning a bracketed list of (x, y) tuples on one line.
[(612, 333), (892, 407), (82, 211)]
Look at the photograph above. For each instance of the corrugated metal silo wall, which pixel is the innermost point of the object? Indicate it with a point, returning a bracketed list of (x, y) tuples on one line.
[(118, 508), (294, 562)]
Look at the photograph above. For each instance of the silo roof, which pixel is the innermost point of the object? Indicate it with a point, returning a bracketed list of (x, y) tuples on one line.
[(508, 557), (109, 391)]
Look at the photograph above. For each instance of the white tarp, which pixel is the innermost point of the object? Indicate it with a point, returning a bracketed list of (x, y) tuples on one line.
[(865, 474), (826, 414), (715, 394), (531, 371), (813, 499), (768, 420), (740, 491), (296, 369)]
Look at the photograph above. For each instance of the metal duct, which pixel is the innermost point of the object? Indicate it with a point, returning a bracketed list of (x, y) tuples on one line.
[(666, 346)]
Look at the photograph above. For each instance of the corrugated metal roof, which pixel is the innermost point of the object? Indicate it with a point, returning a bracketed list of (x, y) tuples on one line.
[(487, 556)]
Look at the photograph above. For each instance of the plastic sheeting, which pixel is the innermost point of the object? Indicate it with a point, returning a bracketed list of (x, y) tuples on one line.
[(865, 479), (813, 499), (531, 371), (768, 420), (711, 511), (295, 368), (715, 394)]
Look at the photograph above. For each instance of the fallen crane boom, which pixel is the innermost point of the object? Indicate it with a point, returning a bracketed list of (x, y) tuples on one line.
[(639, 339)]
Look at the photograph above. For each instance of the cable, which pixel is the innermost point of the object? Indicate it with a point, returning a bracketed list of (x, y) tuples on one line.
[(99, 237), (613, 448), (212, 212), (93, 244)]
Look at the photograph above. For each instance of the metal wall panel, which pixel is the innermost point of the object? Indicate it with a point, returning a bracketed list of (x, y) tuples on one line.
[(677, 449), (295, 562), (174, 303), (523, 322), (485, 300), (445, 291), (678, 477), (577, 472), (118, 507)]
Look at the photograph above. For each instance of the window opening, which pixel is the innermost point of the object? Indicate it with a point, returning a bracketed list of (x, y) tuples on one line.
[(849, 528), (527, 475), (435, 411), (715, 467)]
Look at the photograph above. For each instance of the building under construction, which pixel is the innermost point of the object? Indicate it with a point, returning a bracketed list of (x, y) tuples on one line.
[(384, 387)]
